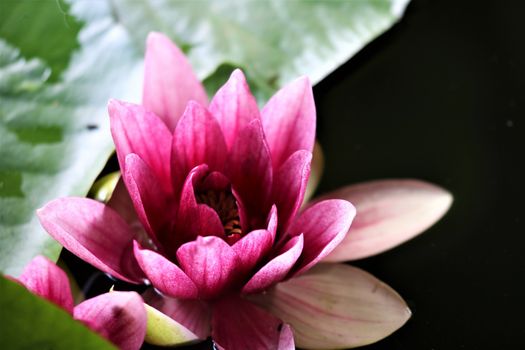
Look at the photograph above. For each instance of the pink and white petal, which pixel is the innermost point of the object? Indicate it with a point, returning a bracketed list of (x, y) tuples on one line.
[(234, 106), (120, 317), (43, 278), (272, 222), (250, 171), (195, 315), (211, 263), (286, 340), (95, 233), (136, 130), (169, 81), (276, 269), (237, 324), (324, 226), (195, 219), (289, 186), (336, 306), (165, 275), (289, 120), (253, 247), (389, 212), (197, 140), (152, 205)]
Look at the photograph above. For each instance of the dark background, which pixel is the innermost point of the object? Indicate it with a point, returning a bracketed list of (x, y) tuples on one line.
[(440, 97)]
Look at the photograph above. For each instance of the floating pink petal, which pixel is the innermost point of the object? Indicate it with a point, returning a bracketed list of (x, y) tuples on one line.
[(389, 212), (335, 306)]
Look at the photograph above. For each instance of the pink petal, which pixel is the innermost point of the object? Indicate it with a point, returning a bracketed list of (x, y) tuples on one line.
[(136, 130), (252, 248), (277, 268), (194, 219), (324, 226), (169, 81), (249, 169), (234, 106), (95, 233), (118, 316), (237, 324), (192, 314), (211, 263), (272, 221), (121, 202), (389, 212), (197, 140), (289, 121), (335, 306), (151, 203), (289, 186), (165, 275), (43, 278)]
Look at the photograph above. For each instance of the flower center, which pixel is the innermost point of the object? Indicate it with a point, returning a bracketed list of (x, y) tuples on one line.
[(225, 205)]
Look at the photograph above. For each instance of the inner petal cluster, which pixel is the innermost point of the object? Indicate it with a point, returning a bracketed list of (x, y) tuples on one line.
[(225, 205)]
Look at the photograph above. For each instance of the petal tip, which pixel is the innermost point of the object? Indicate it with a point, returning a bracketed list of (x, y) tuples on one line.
[(155, 37)]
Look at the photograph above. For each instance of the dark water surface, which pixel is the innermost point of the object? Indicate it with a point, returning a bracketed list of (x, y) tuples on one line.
[(441, 97)]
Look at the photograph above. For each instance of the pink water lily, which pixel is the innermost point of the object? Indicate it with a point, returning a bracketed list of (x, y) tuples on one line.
[(119, 317), (209, 212)]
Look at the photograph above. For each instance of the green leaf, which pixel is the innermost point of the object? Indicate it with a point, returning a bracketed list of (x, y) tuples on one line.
[(54, 135), (30, 322), (19, 28), (274, 41)]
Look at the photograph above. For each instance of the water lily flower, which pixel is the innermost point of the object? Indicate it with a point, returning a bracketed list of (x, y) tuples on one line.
[(209, 212), (119, 317)]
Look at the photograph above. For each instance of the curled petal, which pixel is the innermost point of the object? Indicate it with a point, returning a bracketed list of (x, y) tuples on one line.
[(136, 130), (250, 171), (289, 186), (192, 314), (42, 277), (237, 324), (277, 268), (211, 263), (169, 81), (165, 275), (120, 317), (289, 121), (151, 203), (234, 106), (324, 226), (193, 218), (389, 212), (197, 140), (335, 306), (95, 233)]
